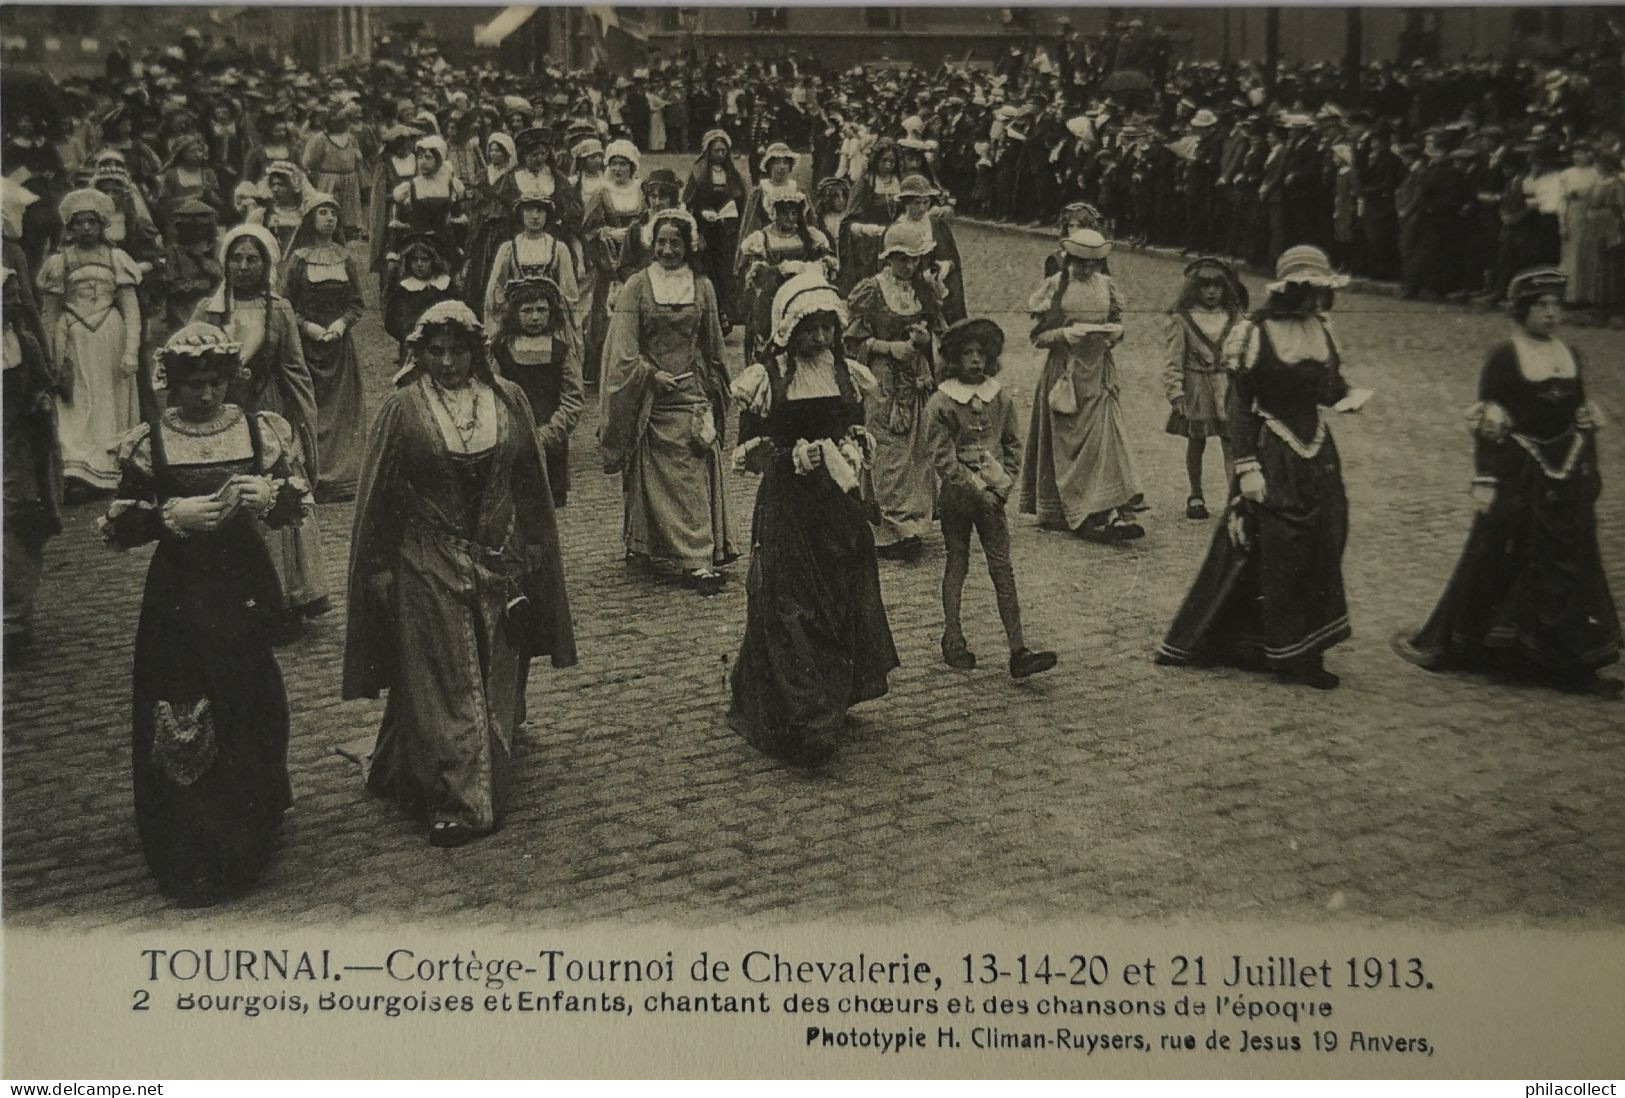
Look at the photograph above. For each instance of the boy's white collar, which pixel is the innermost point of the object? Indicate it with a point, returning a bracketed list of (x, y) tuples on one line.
[(961, 393)]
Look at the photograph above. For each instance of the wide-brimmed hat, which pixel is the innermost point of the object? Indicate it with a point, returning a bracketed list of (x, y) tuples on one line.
[(779, 151), (912, 239), (623, 150), (1305, 264), (973, 329), (916, 186), (800, 297), (587, 146), (1086, 244), (1536, 282), (1204, 118)]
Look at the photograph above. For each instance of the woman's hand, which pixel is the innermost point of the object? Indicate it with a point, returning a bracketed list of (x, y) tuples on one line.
[(258, 493), (194, 514), (1252, 486), (1177, 403), (665, 382), (1483, 495), (919, 335)]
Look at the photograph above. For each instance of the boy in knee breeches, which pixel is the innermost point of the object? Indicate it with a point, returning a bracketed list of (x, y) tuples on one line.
[(972, 440)]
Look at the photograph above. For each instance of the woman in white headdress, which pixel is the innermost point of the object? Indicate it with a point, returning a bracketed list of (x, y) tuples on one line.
[(275, 378), (817, 640), (92, 321), (664, 395)]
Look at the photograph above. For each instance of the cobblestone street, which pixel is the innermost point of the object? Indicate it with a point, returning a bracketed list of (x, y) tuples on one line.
[(1108, 787)]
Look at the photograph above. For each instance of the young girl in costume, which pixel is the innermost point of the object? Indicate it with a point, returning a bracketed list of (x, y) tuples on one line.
[(1209, 307)]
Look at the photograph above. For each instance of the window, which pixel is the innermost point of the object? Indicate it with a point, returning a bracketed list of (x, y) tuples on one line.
[(769, 18), (882, 18)]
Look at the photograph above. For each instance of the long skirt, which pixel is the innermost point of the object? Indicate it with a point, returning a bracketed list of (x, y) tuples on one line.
[(445, 748), (1529, 592), (210, 750), (676, 507), (104, 403), (296, 550), (900, 479), (341, 429), (1278, 602), (1079, 464), (816, 637)]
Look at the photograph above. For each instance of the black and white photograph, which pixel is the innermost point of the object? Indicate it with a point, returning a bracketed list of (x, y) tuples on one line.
[(748, 469)]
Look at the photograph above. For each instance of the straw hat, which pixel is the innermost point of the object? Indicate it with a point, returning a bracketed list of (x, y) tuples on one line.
[(916, 186), (909, 239), (1086, 244), (1305, 264)]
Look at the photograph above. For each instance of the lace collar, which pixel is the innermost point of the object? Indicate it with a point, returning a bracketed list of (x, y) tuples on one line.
[(672, 287)]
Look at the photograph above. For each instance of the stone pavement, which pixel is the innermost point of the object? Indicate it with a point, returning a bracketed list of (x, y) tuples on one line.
[(1107, 787)]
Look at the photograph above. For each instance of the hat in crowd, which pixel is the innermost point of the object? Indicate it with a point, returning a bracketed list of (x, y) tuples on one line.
[(907, 238), (587, 146), (972, 329), (399, 132), (833, 183), (1086, 244), (786, 198), (443, 314), (661, 177), (716, 135), (86, 200), (314, 200), (623, 150), (1079, 126), (1209, 267), (197, 351), (529, 139), (802, 296), (1293, 121), (1204, 118), (1535, 282), (194, 208), (533, 197), (916, 186), (1305, 264), (778, 151)]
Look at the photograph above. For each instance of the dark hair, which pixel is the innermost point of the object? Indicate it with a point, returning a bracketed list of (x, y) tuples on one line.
[(951, 357), (1520, 306), (690, 236), (1296, 299), (1235, 294), (533, 291)]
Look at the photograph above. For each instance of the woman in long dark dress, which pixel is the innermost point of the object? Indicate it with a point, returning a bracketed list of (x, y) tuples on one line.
[(320, 281), (455, 579), (716, 196), (1529, 597), (209, 709), (1270, 593), (816, 637)]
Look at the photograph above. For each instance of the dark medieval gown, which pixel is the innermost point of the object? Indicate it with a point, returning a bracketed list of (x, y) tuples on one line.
[(817, 640), (209, 708), (1530, 588), (1278, 601), (462, 536)]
